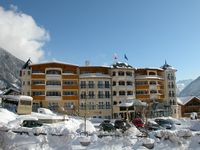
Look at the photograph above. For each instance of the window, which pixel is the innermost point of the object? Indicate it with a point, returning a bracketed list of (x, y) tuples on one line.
[(152, 73), (115, 103), (108, 105), (28, 82), (121, 93), (83, 84), (107, 94), (129, 83), (29, 72), (113, 73), (107, 84), (170, 94), (152, 82), (91, 106), (53, 93), (114, 83), (100, 84), (129, 92), (69, 93), (68, 72), (153, 91), (83, 95), (55, 72), (38, 93), (38, 82), (91, 94), (140, 92), (53, 82), (37, 71), (114, 93), (129, 74), (91, 84), (69, 82), (23, 82), (121, 83), (100, 106), (120, 73), (100, 94), (141, 83)]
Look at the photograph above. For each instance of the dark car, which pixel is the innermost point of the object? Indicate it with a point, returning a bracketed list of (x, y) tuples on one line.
[(152, 126), (122, 124), (31, 123), (164, 123), (106, 125)]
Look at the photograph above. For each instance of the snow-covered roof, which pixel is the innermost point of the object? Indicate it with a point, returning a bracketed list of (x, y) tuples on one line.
[(131, 102), (167, 66), (121, 65), (54, 61), (18, 97), (150, 68), (185, 100)]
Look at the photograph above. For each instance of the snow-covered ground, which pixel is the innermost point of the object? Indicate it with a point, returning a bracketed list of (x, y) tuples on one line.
[(66, 135)]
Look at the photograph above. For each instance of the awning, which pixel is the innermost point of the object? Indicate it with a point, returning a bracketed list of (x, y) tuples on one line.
[(132, 102)]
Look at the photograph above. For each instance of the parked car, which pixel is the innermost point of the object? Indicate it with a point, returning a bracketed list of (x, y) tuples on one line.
[(138, 122), (28, 126), (164, 123), (152, 125), (122, 124), (106, 125), (31, 123)]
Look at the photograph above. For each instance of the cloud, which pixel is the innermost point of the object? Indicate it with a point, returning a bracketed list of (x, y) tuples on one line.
[(21, 36)]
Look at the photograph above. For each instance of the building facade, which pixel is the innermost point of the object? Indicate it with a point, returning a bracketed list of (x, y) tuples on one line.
[(97, 91)]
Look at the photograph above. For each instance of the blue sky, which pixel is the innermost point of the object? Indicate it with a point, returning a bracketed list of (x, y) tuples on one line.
[(148, 32)]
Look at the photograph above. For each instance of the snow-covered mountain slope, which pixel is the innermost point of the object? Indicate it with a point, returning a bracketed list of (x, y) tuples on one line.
[(10, 68), (193, 89), (181, 84)]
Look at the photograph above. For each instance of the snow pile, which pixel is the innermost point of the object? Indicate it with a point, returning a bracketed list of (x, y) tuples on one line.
[(6, 116), (68, 135)]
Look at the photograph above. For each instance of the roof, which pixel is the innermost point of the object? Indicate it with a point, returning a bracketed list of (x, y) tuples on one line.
[(185, 100), (8, 91), (18, 97), (150, 68), (55, 61), (167, 66), (121, 65), (132, 102)]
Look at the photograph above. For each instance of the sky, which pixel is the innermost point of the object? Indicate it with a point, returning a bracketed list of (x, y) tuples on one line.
[(73, 31)]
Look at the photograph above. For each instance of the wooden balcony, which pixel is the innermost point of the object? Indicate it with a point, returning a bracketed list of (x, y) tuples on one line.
[(142, 86), (38, 87), (73, 97), (38, 76), (70, 87), (70, 76), (38, 98)]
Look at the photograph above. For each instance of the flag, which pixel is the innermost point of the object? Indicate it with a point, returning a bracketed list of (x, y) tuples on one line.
[(115, 56), (125, 57)]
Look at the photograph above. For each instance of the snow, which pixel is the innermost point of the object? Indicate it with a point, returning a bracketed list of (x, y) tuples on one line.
[(67, 134)]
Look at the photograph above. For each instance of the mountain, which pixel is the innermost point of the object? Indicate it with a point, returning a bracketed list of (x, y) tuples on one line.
[(193, 89), (181, 84), (9, 70)]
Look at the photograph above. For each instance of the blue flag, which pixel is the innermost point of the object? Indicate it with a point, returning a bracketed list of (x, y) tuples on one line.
[(125, 57)]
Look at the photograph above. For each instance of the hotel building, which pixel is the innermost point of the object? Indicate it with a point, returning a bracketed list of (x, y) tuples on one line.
[(97, 91)]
